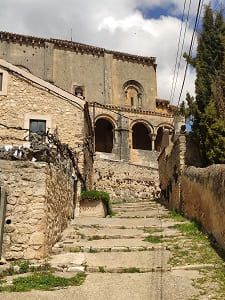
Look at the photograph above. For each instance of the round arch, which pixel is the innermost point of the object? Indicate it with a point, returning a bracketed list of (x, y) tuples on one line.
[(108, 118), (133, 92), (167, 125), (146, 123), (104, 135), (141, 136)]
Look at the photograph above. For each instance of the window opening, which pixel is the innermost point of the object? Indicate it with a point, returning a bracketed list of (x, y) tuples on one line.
[(79, 91), (132, 101), (39, 127)]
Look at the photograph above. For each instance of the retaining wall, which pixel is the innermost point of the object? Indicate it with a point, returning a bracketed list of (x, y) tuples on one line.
[(125, 181), (39, 204), (199, 193)]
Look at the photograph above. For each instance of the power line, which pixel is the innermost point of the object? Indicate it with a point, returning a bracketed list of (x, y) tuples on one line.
[(178, 47), (198, 22), (181, 52), (190, 49)]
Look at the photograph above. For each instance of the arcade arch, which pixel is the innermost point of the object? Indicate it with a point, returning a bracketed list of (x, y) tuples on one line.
[(141, 136), (104, 135)]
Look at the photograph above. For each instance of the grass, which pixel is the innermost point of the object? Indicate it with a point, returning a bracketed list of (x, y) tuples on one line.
[(101, 269), (131, 270), (42, 281), (94, 237), (176, 216), (153, 239), (92, 250)]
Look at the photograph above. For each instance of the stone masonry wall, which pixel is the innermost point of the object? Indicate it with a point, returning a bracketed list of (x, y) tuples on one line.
[(59, 202), (199, 193), (26, 100), (171, 164), (125, 181), (40, 200), (203, 198)]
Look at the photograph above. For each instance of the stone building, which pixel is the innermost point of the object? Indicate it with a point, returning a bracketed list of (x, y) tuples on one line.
[(130, 122), (31, 103)]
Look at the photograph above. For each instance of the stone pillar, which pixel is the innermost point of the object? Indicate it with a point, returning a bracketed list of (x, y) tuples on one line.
[(121, 144), (153, 137)]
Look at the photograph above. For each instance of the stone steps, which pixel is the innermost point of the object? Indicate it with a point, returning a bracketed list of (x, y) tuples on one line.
[(120, 223), (143, 261)]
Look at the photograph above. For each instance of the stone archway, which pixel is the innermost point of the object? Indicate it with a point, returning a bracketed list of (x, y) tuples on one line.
[(141, 137), (103, 136)]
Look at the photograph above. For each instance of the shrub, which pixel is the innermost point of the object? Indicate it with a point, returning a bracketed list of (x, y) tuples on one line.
[(94, 195)]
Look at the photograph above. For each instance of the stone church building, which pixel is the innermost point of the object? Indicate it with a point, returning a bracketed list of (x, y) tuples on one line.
[(130, 122), (94, 98)]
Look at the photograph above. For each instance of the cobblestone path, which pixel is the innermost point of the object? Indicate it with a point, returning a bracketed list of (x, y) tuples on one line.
[(144, 252)]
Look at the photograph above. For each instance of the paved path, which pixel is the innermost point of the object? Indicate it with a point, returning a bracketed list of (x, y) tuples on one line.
[(126, 257)]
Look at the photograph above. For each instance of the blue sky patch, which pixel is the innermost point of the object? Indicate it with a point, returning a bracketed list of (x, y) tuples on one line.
[(157, 12)]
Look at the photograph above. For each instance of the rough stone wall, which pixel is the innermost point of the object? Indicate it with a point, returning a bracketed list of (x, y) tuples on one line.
[(59, 202), (199, 193), (40, 200), (24, 99), (171, 164), (24, 182), (125, 181), (203, 198)]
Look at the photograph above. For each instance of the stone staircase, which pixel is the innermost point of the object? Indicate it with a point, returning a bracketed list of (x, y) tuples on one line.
[(118, 244), (128, 256)]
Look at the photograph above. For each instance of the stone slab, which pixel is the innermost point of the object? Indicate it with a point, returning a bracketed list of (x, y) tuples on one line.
[(67, 259), (143, 259), (118, 223), (139, 213), (147, 286)]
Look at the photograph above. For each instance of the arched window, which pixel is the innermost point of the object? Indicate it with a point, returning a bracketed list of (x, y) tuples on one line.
[(133, 93), (141, 137), (103, 136)]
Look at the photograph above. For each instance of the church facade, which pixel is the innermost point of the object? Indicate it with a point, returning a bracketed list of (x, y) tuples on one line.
[(130, 122)]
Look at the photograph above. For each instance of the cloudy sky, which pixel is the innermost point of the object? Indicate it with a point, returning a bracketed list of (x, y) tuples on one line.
[(143, 27)]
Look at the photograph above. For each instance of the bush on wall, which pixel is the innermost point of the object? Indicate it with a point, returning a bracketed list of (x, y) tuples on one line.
[(95, 195)]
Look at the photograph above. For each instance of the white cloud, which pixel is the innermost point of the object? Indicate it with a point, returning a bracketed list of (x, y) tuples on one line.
[(116, 25)]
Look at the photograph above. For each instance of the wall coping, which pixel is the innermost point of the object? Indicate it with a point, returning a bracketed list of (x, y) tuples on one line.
[(129, 109), (74, 46)]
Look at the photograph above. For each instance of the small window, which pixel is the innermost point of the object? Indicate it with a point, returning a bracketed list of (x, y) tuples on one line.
[(39, 127), (1, 77), (79, 91), (132, 101)]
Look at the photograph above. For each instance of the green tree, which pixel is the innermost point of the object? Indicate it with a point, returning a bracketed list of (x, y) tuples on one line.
[(206, 111)]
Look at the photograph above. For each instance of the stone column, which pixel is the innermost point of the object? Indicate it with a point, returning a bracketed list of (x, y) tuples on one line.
[(153, 137), (121, 145)]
